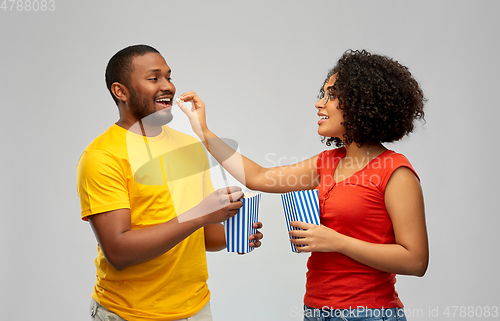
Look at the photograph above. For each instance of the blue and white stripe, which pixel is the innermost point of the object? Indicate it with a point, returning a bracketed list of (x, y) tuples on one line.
[(240, 226), (300, 206)]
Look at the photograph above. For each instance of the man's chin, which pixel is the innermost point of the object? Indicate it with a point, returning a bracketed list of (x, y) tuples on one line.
[(159, 118)]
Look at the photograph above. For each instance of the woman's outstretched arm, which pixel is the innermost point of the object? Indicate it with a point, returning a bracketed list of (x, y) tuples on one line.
[(281, 179)]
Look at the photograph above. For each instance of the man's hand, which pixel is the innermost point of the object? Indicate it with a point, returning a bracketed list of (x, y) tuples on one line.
[(255, 238), (216, 207)]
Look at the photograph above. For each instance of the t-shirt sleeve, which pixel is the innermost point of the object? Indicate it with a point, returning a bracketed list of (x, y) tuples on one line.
[(101, 183)]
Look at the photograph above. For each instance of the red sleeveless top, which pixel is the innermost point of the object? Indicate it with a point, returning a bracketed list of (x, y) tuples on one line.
[(353, 207)]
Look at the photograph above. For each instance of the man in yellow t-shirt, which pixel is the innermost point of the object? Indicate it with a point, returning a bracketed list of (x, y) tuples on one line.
[(146, 191)]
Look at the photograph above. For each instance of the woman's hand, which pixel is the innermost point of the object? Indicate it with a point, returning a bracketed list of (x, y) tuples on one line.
[(196, 114), (314, 238)]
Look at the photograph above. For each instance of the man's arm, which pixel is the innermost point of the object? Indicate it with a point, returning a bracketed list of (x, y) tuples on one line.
[(215, 238), (124, 247)]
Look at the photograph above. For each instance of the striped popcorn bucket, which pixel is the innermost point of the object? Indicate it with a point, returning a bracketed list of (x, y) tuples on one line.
[(239, 227), (300, 206)]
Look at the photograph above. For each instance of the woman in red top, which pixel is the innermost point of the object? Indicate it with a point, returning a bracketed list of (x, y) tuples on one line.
[(371, 203)]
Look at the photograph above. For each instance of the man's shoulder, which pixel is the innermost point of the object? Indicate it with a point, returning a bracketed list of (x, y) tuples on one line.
[(113, 141), (110, 146)]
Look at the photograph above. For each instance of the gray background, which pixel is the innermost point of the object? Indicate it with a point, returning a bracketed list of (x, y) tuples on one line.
[(258, 65)]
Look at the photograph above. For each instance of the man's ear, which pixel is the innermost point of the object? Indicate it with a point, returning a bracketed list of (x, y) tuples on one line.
[(120, 91)]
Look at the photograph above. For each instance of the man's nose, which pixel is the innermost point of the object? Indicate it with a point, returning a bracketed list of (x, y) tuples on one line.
[(167, 85)]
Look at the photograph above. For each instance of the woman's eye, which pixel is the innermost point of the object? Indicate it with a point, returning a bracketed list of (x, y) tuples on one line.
[(153, 79)]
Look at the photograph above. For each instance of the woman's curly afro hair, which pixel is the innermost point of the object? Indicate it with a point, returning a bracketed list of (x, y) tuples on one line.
[(378, 97)]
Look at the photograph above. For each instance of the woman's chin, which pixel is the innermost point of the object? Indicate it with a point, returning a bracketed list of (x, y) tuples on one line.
[(324, 133)]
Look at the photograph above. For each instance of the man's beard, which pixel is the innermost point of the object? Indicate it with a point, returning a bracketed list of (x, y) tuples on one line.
[(140, 111)]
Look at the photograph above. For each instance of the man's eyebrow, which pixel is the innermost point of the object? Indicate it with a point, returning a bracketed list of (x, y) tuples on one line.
[(158, 70)]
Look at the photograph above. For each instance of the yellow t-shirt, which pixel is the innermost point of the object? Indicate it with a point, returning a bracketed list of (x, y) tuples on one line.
[(157, 178)]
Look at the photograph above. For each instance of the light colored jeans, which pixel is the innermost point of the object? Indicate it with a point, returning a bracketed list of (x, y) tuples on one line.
[(100, 313)]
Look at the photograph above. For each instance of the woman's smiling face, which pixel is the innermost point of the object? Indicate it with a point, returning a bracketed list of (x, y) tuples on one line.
[(331, 118)]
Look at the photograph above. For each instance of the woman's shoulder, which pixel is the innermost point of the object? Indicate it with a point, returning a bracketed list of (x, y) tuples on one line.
[(390, 160), (396, 159)]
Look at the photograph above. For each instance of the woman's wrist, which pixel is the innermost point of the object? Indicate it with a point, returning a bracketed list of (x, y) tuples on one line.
[(206, 132), (206, 135), (340, 243)]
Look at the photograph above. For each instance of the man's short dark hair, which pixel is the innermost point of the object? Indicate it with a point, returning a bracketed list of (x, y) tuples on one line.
[(120, 65)]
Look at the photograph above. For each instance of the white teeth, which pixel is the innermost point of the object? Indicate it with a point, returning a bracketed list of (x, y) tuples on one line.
[(163, 99), (323, 117)]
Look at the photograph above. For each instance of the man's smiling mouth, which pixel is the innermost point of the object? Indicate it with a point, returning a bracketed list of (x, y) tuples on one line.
[(165, 102)]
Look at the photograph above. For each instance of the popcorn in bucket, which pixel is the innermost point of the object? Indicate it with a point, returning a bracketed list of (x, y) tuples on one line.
[(240, 226), (300, 206)]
